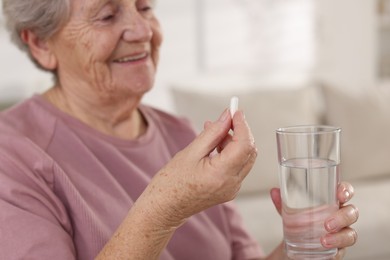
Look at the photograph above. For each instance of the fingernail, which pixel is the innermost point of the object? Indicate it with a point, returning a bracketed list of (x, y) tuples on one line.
[(224, 116), (329, 241), (332, 225), (347, 195)]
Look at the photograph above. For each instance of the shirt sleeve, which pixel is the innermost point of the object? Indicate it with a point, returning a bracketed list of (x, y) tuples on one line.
[(33, 222), (244, 245)]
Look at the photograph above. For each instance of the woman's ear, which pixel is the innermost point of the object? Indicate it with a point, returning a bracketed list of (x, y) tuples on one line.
[(39, 50)]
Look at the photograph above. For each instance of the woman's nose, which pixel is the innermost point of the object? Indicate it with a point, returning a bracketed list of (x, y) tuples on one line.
[(137, 28)]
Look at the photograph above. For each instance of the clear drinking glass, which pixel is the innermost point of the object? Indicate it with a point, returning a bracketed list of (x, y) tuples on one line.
[(309, 158)]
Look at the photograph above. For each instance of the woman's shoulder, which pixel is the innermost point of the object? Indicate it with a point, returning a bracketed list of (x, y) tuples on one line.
[(26, 130), (28, 121)]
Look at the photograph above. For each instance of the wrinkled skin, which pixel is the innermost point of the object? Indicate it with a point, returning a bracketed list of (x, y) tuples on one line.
[(105, 58)]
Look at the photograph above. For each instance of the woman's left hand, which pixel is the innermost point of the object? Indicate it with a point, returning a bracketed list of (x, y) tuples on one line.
[(340, 235)]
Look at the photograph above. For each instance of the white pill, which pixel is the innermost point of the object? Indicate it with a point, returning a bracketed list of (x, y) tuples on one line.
[(233, 105)]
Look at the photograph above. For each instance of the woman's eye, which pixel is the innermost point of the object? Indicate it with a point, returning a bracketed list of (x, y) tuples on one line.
[(146, 11), (107, 18), (146, 8)]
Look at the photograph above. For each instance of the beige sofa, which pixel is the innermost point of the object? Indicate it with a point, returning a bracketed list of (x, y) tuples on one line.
[(364, 117)]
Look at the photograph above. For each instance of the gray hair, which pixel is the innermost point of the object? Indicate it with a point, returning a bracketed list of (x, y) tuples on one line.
[(43, 17)]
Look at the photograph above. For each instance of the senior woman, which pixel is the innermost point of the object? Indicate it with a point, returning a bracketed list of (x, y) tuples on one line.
[(87, 171)]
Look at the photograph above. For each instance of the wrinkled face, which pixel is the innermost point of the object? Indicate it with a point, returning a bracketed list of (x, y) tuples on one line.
[(108, 47)]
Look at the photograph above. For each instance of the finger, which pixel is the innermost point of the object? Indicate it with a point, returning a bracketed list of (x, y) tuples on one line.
[(340, 254), (276, 199), (240, 127), (344, 217), (345, 238), (207, 124), (242, 145), (345, 192), (247, 166), (213, 153), (211, 136), (224, 143)]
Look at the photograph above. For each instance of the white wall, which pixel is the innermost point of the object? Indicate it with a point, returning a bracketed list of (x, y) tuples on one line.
[(348, 44), (185, 56), (178, 50)]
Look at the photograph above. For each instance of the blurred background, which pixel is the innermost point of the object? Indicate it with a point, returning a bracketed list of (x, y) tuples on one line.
[(290, 62), (339, 40)]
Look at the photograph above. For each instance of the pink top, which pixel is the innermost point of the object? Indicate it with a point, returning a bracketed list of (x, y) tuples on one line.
[(65, 187)]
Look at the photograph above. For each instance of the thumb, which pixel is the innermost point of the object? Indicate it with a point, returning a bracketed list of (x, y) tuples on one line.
[(276, 199)]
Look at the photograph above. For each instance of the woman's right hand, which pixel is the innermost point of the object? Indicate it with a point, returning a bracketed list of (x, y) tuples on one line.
[(196, 178)]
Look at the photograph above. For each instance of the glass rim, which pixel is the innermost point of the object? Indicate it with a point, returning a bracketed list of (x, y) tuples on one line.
[(308, 129)]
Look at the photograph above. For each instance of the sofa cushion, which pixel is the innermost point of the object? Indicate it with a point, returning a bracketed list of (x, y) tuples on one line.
[(266, 108), (364, 117)]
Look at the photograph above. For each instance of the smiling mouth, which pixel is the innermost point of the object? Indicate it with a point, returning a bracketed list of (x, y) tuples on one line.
[(131, 58)]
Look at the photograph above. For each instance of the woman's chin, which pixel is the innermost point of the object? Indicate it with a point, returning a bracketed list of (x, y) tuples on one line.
[(125, 91)]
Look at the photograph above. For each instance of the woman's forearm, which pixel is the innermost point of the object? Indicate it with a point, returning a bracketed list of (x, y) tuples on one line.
[(142, 235)]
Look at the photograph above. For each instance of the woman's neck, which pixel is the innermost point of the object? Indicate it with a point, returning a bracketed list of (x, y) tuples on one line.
[(117, 117)]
